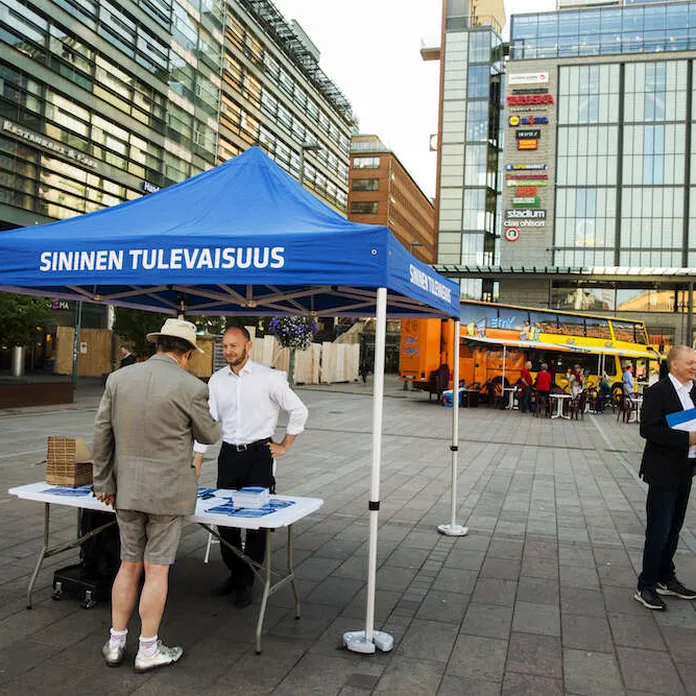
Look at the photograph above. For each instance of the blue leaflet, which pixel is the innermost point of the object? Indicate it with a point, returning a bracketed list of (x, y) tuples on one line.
[(231, 511), (70, 492), (205, 491)]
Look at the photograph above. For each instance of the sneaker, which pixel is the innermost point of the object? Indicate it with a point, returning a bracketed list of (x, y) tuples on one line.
[(163, 657), (113, 656), (674, 588), (650, 599)]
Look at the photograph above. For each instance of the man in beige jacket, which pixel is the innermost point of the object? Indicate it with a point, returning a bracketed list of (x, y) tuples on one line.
[(144, 466)]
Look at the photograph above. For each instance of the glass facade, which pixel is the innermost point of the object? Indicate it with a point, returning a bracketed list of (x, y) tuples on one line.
[(621, 186), (101, 102), (470, 144), (633, 28)]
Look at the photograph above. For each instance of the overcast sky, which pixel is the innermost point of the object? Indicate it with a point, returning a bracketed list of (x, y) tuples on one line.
[(371, 50)]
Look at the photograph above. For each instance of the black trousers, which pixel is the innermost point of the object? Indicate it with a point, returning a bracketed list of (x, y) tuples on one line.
[(526, 399), (666, 508), (252, 467)]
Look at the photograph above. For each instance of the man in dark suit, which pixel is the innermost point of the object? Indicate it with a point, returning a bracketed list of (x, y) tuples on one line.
[(127, 358), (669, 460)]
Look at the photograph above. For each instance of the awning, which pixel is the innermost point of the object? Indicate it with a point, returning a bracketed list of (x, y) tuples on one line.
[(564, 348)]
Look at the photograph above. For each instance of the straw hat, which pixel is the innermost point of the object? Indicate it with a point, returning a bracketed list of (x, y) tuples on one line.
[(177, 328)]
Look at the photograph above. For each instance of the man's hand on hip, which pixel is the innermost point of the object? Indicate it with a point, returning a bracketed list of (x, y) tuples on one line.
[(278, 449)]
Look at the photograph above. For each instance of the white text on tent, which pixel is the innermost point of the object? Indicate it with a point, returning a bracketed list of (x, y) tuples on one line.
[(164, 259)]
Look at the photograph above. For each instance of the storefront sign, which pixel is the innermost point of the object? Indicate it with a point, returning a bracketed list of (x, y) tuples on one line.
[(148, 187), (528, 133), (525, 218), (529, 99), (56, 305), (512, 234), (530, 120), (539, 78), (528, 144), (525, 214), (48, 144), (537, 177), (526, 191), (526, 197), (526, 182), (524, 167), (526, 202)]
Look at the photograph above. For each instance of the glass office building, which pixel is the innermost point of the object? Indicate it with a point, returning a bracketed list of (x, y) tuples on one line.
[(102, 101), (599, 154), (472, 67)]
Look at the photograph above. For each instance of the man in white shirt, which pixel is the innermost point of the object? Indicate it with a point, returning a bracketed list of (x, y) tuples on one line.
[(246, 399), (668, 465)]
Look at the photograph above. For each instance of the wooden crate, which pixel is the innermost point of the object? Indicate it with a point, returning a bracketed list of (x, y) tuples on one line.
[(62, 465)]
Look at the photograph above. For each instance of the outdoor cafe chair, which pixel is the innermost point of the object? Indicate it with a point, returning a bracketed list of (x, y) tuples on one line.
[(577, 405)]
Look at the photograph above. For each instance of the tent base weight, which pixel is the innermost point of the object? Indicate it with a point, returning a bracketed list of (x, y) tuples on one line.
[(452, 529), (355, 641)]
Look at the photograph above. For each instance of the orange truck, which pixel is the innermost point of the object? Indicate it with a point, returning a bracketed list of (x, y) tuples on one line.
[(427, 346)]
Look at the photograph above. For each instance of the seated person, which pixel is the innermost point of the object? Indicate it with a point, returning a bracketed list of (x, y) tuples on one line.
[(603, 394)]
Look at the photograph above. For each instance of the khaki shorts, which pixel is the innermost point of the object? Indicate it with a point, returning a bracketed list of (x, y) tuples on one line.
[(154, 538)]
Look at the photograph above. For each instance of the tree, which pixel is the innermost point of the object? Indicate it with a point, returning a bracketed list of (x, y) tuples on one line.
[(19, 317), (133, 325)]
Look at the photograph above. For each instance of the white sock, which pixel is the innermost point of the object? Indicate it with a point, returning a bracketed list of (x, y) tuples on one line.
[(148, 646), (117, 639)]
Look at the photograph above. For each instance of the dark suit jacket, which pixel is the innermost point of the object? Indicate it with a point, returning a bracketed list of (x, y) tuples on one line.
[(128, 360), (665, 457)]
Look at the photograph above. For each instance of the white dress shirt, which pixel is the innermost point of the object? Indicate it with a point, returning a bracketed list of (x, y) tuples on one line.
[(247, 405), (684, 394)]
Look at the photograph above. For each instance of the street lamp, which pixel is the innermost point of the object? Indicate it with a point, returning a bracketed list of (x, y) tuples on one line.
[(310, 146)]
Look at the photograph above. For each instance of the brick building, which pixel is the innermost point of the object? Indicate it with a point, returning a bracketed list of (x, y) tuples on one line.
[(382, 192)]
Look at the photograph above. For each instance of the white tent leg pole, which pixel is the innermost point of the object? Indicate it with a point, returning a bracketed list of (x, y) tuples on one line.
[(454, 529), (366, 641)]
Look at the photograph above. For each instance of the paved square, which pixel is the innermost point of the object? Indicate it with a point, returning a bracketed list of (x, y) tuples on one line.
[(536, 600)]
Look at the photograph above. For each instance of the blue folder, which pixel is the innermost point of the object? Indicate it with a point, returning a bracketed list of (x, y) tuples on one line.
[(679, 417)]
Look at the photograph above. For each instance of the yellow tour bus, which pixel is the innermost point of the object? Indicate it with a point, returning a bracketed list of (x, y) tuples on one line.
[(497, 339)]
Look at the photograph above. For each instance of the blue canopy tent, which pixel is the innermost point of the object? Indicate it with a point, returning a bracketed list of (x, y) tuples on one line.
[(242, 238)]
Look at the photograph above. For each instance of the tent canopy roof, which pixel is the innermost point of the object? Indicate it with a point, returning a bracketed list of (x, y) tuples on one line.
[(241, 238)]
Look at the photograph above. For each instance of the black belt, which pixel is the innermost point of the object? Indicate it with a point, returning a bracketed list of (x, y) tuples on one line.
[(258, 444)]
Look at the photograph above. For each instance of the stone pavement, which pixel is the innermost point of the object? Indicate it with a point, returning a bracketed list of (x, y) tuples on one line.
[(537, 599)]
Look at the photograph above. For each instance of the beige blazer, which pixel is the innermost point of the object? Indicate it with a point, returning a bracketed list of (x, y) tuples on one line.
[(147, 420)]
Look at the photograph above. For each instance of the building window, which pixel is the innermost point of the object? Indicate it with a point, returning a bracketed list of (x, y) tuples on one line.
[(366, 162), (364, 207), (365, 185)]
